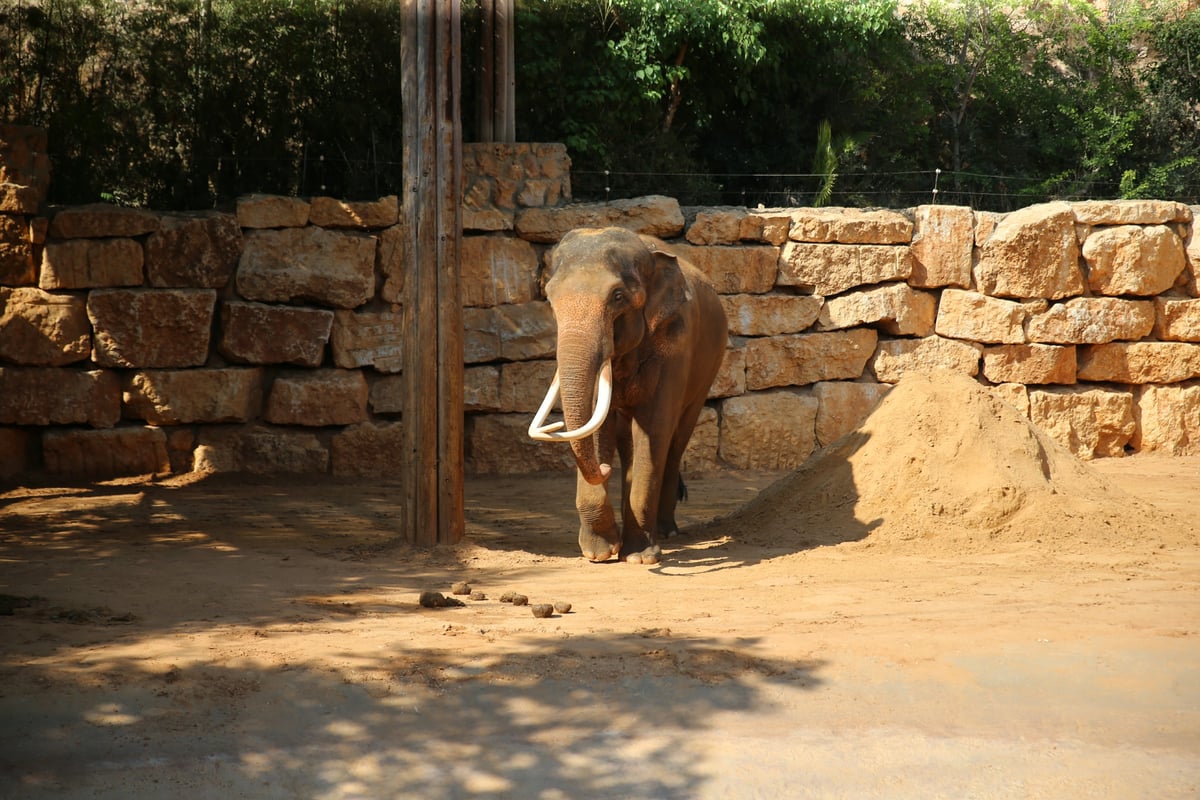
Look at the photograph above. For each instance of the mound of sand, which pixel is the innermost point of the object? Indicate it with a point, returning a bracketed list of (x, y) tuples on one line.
[(944, 465)]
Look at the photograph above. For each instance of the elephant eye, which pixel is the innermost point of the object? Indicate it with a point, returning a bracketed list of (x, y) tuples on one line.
[(617, 296)]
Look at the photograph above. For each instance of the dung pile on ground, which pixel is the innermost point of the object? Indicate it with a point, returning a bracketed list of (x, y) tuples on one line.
[(944, 465)]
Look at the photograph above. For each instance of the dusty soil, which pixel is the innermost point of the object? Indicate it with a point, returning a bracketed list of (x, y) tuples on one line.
[(865, 628)]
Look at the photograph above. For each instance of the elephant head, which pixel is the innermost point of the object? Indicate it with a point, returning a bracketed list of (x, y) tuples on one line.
[(612, 291)]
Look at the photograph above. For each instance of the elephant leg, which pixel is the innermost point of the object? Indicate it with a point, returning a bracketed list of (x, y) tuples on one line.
[(672, 485), (599, 539), (639, 539)]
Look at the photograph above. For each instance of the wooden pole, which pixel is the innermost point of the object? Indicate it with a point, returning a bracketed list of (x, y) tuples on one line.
[(496, 103), (486, 88), (430, 58)]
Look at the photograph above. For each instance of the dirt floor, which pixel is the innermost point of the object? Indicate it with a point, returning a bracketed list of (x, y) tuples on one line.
[(228, 637)]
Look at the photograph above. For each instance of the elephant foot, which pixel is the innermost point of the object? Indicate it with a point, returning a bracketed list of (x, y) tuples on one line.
[(640, 550), (595, 547)]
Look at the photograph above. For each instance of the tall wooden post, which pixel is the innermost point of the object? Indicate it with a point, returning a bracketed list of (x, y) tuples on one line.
[(430, 56), (497, 67)]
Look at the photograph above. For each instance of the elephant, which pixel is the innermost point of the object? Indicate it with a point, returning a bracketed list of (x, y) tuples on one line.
[(641, 338)]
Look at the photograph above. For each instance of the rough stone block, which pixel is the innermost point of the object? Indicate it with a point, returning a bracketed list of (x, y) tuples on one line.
[(523, 384), (829, 269), (318, 397), (896, 308), (90, 263), (896, 357), (768, 430), (807, 358), (108, 453), (517, 332), (326, 212), (260, 450), (1140, 362), (387, 395), (52, 396), (1177, 320), (194, 251), (271, 211), (331, 268), (1091, 320), (258, 333), (1015, 394), (1168, 419), (481, 388), (977, 317), (42, 329), (368, 450), (102, 221), (1133, 260), (151, 327), (16, 452), (653, 215), (17, 267), (391, 263), (770, 314), (368, 339), (174, 397), (942, 247), (850, 226), (1032, 252), (715, 225), (1029, 364), (732, 270), (703, 451), (1090, 422), (498, 270), (843, 406), (24, 169), (1130, 212), (499, 444), (731, 378)]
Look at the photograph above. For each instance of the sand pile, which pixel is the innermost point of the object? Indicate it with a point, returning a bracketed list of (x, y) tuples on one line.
[(943, 464)]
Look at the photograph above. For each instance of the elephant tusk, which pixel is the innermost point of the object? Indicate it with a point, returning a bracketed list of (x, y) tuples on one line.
[(538, 429)]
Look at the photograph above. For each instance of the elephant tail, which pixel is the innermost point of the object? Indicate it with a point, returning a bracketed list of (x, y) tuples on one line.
[(682, 490)]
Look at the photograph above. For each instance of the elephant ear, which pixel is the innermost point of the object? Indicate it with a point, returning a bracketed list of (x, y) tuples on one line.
[(666, 289)]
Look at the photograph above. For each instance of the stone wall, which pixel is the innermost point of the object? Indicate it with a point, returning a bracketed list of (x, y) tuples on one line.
[(266, 339)]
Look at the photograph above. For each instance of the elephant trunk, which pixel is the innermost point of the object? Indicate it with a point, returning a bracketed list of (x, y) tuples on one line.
[(583, 372)]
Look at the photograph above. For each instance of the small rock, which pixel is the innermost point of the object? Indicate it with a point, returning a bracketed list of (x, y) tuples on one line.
[(507, 597), (562, 607), (453, 602), (462, 587), (431, 600), (478, 596), (520, 600), (542, 609)]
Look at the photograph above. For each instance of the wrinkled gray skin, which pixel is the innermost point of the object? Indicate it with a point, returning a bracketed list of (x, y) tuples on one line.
[(619, 295)]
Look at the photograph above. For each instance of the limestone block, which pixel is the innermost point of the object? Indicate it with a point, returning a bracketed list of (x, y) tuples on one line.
[(90, 263), (800, 359), (850, 226), (1091, 320), (17, 266), (843, 406), (259, 333), (16, 448), (479, 211), (42, 329), (101, 221), (481, 340), (1168, 419), (732, 270), (942, 246), (829, 269), (1191, 242), (1029, 364), (151, 327), (328, 212), (1032, 252), (1130, 212), (481, 388), (260, 450), (499, 444), (655, 215), (525, 330), (368, 450), (387, 394), (1090, 422), (24, 169), (1177, 320), (106, 454), (731, 378), (391, 263), (195, 251), (768, 430), (523, 384), (977, 317), (497, 270), (174, 397), (770, 314), (318, 397), (1132, 259), (331, 268), (703, 451), (1016, 394), (271, 211), (1140, 362), (52, 396), (985, 225), (181, 447), (896, 357), (896, 308), (715, 226), (368, 339)]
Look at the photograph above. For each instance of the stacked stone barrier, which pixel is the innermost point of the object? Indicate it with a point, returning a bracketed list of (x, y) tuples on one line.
[(266, 339)]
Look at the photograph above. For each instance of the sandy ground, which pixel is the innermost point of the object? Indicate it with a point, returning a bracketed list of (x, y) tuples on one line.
[(253, 638)]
